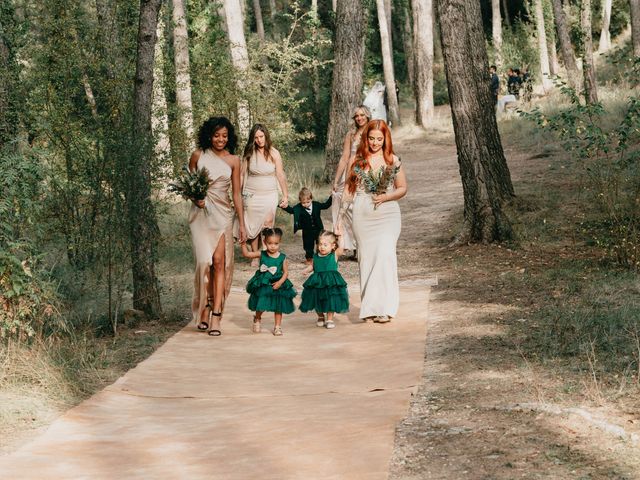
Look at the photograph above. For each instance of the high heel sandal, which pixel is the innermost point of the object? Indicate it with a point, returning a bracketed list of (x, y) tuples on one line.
[(215, 332), (204, 326)]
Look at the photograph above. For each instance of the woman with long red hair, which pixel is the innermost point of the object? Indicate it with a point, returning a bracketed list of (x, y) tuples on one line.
[(375, 183)]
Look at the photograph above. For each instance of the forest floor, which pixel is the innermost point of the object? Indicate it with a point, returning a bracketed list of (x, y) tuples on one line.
[(488, 408)]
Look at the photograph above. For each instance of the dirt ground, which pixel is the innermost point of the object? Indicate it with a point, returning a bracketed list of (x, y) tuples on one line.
[(484, 411)]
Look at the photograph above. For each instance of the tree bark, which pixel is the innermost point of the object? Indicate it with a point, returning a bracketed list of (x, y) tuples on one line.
[(423, 57), (314, 8), (273, 10), (542, 45), (239, 57), (144, 230), (588, 67), (160, 111), (346, 86), (183, 72), (387, 63), (634, 9), (486, 180), (257, 10), (605, 36), (496, 29), (407, 41), (507, 19), (387, 13), (566, 49), (554, 66)]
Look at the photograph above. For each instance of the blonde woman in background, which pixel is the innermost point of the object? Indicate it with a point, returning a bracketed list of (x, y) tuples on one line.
[(361, 116)]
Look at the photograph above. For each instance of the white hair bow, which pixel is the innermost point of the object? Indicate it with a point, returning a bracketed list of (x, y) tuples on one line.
[(271, 270)]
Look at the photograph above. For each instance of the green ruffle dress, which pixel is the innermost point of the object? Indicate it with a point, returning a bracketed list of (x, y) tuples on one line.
[(263, 298), (325, 290)]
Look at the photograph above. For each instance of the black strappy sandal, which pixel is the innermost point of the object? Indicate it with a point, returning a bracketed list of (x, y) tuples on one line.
[(204, 326), (215, 332)]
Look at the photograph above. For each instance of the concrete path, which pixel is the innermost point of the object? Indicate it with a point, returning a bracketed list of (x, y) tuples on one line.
[(313, 404)]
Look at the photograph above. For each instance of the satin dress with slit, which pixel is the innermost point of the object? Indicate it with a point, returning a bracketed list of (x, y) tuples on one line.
[(260, 193), (208, 226)]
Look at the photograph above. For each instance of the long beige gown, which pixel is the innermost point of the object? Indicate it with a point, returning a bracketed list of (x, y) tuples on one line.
[(377, 231), (207, 228), (348, 238), (260, 193)]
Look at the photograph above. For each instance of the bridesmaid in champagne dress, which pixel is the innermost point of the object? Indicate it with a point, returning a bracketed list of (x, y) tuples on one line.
[(211, 222), (262, 172), (376, 220), (361, 116)]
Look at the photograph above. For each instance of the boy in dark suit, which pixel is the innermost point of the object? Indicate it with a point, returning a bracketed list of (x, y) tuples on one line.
[(306, 217)]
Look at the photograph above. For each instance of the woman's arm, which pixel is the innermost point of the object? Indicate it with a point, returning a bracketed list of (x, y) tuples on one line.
[(285, 274), (345, 201), (247, 254), (237, 196), (193, 166), (282, 179), (344, 160), (400, 189)]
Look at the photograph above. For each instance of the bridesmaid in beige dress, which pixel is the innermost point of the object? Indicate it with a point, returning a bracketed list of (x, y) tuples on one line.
[(212, 229), (262, 172), (376, 222), (361, 116)]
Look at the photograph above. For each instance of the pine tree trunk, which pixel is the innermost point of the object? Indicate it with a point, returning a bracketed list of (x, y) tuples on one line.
[(588, 67), (486, 180), (257, 11), (144, 230), (634, 9), (566, 49), (314, 8), (407, 43), (346, 86), (239, 57), (387, 13), (273, 10), (505, 8), (542, 45), (496, 29), (183, 73), (387, 63), (334, 5), (160, 115), (605, 36), (554, 66), (423, 55)]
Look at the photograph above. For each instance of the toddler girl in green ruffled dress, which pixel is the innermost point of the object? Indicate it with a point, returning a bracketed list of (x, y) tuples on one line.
[(325, 291), (270, 290)]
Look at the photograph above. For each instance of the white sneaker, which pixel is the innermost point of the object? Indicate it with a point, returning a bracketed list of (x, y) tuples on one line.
[(329, 324), (320, 322)]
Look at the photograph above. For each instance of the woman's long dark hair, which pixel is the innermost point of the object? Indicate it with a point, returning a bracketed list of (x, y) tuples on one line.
[(250, 147), (210, 127)]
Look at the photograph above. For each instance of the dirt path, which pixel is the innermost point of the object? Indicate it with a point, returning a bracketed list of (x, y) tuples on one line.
[(483, 411)]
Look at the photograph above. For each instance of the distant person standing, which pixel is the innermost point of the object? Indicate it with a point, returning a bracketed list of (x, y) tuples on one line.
[(495, 83), (527, 83), (513, 83)]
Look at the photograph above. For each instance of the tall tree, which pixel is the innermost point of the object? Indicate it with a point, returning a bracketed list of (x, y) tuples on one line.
[(588, 67), (387, 64), (605, 36), (273, 9), (505, 8), (183, 75), (239, 56), (496, 30), (346, 86), (257, 11), (143, 226), (423, 59), (387, 13), (486, 180), (554, 65), (568, 55), (542, 44), (407, 43), (634, 9)]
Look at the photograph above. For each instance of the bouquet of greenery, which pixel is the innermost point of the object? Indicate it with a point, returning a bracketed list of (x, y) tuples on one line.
[(191, 185), (377, 182)]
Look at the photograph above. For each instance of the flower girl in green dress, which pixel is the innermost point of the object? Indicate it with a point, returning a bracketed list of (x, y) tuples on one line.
[(325, 291), (270, 289)]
